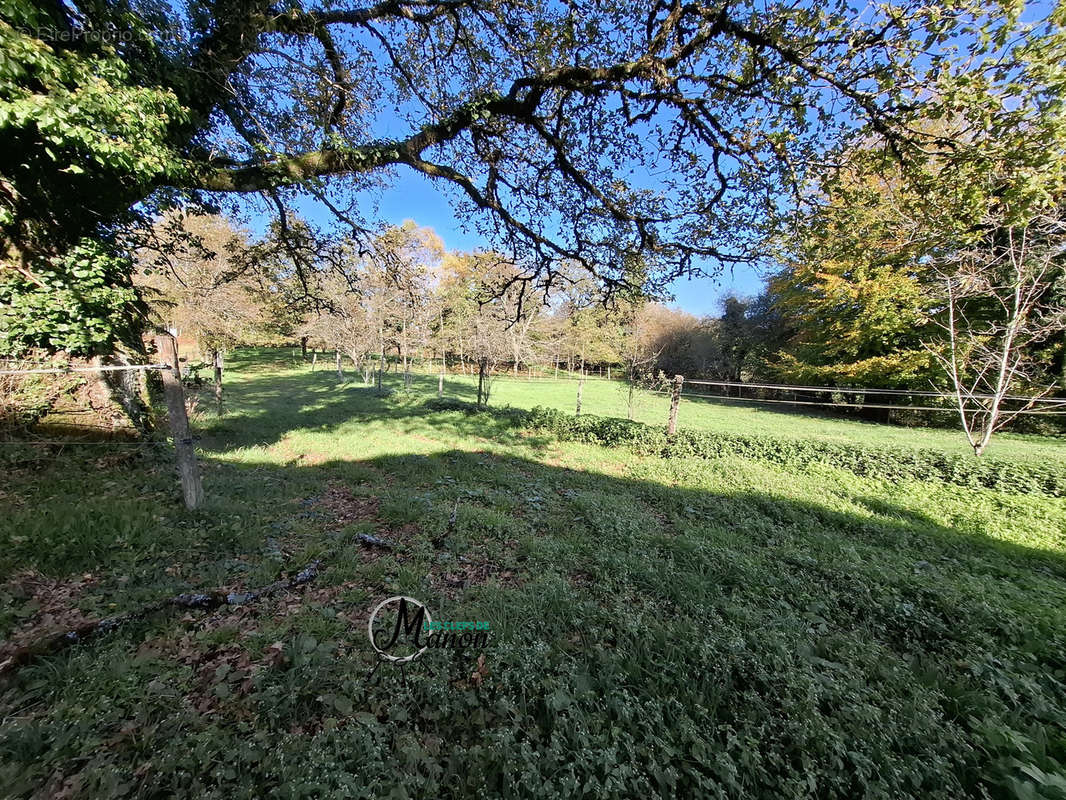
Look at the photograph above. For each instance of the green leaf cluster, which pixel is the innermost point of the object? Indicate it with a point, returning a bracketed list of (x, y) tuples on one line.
[(80, 303)]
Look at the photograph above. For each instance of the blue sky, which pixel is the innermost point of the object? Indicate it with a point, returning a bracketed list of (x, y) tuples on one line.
[(411, 195)]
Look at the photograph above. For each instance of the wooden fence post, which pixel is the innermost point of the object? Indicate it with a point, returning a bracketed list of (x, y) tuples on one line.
[(314, 359), (218, 381), (340, 372), (580, 390), (440, 383), (675, 401), (482, 363), (379, 381), (188, 468)]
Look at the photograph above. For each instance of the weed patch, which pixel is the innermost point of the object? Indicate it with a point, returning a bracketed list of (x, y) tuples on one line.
[(876, 462)]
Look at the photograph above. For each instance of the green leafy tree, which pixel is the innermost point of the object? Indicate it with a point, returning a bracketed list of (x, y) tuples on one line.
[(854, 292), (86, 133), (579, 136), (947, 270)]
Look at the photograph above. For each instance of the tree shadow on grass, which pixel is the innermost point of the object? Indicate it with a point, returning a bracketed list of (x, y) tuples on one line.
[(692, 620), (262, 411), (780, 642)]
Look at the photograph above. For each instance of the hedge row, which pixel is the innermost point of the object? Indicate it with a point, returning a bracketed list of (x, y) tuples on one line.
[(891, 463)]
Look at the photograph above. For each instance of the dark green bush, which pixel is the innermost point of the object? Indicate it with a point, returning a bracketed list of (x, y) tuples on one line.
[(517, 416), (451, 404), (890, 463)]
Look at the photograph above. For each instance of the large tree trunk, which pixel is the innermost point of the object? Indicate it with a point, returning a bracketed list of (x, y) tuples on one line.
[(127, 388)]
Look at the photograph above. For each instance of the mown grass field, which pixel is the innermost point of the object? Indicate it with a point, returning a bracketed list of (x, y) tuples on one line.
[(686, 627), (610, 398)]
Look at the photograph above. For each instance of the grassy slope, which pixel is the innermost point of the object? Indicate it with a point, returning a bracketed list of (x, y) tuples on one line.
[(662, 628)]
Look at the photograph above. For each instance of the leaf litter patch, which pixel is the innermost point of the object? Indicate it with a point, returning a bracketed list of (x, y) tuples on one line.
[(46, 606)]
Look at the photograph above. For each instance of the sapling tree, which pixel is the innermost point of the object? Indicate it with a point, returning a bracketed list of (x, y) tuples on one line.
[(1002, 297), (639, 350)]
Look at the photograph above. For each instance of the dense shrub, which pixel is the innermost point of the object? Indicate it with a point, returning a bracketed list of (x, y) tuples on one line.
[(891, 463), (451, 404), (515, 415)]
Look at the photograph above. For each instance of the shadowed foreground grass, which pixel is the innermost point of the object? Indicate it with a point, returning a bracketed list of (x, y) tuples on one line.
[(721, 628)]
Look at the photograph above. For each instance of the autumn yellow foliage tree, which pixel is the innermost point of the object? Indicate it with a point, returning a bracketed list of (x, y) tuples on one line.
[(854, 291)]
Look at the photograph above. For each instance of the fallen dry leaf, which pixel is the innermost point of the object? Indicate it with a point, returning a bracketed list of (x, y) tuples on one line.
[(480, 673)]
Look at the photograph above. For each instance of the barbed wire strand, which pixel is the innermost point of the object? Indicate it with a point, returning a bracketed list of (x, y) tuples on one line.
[(832, 405), (68, 369), (860, 390)]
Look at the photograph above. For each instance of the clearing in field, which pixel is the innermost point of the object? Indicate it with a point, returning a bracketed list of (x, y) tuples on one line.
[(721, 627)]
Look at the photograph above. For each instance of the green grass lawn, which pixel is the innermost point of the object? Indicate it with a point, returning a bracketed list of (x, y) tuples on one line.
[(610, 398), (687, 627)]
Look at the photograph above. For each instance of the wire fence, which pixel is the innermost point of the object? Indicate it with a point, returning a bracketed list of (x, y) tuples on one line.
[(836, 398), (64, 369), (847, 398), (839, 397), (860, 390)]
